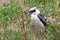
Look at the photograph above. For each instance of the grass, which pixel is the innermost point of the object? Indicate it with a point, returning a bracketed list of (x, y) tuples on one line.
[(12, 17)]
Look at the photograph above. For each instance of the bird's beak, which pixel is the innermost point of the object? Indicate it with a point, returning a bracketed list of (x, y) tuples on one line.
[(28, 14)]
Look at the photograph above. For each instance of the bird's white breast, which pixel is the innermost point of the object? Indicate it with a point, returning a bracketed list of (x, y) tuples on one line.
[(36, 21)]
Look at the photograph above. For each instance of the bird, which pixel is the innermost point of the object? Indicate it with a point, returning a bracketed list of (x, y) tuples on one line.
[(37, 18)]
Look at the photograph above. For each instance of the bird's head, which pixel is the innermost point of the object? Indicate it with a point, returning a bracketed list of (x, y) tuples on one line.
[(34, 11)]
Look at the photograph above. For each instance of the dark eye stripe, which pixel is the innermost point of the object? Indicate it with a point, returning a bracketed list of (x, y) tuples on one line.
[(32, 11)]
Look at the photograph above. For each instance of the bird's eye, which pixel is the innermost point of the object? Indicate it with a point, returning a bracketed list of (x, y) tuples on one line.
[(32, 11)]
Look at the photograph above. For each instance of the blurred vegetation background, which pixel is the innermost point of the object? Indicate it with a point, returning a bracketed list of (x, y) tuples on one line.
[(15, 25)]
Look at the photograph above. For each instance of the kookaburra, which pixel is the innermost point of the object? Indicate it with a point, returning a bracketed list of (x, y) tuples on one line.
[(37, 18)]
